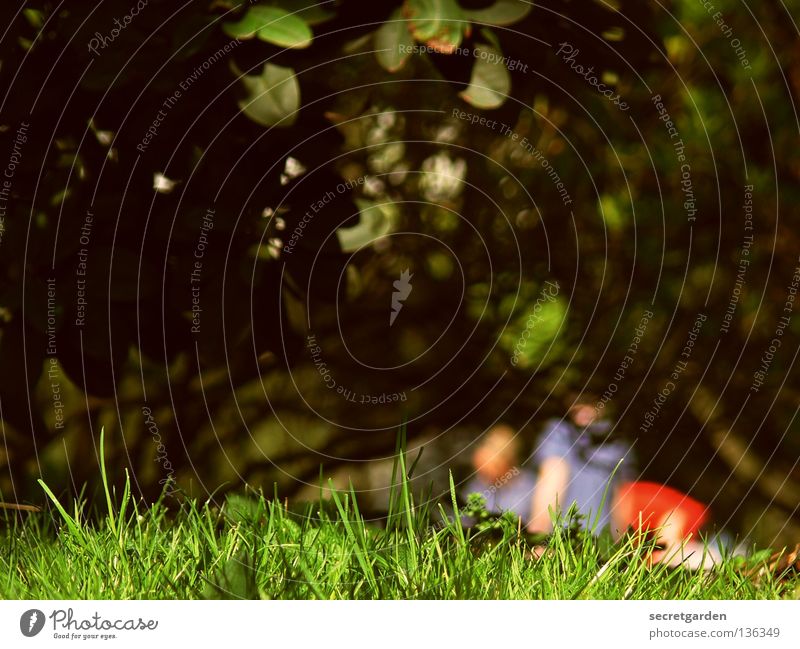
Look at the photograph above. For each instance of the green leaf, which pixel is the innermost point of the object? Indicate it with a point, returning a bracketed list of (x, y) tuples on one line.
[(438, 23), (532, 337), (235, 579), (272, 97), (612, 212), (490, 37), (502, 12), (490, 82), (245, 28), (241, 509), (311, 11), (376, 221), (35, 17), (393, 42), (273, 25)]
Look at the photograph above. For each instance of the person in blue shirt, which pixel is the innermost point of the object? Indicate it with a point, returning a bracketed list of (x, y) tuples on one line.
[(582, 464), (499, 478), (579, 463)]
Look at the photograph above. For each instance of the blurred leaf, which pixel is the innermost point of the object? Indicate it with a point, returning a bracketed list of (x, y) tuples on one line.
[(490, 82), (376, 221), (241, 509), (273, 97), (611, 212), (531, 338), (236, 579), (273, 25), (390, 40), (34, 17), (438, 23), (614, 34), (502, 12), (440, 265), (490, 37), (309, 10)]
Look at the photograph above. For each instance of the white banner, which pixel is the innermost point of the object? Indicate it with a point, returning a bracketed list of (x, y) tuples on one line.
[(352, 625)]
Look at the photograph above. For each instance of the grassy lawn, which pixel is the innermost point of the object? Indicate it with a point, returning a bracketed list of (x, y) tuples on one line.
[(252, 547), (255, 548)]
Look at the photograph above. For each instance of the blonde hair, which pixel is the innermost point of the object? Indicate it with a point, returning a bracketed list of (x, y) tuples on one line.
[(503, 441)]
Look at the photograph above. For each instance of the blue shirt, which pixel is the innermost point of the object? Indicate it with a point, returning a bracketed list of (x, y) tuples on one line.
[(592, 464), (515, 495)]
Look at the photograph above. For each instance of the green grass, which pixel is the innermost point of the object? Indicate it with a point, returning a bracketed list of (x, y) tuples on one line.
[(252, 547)]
